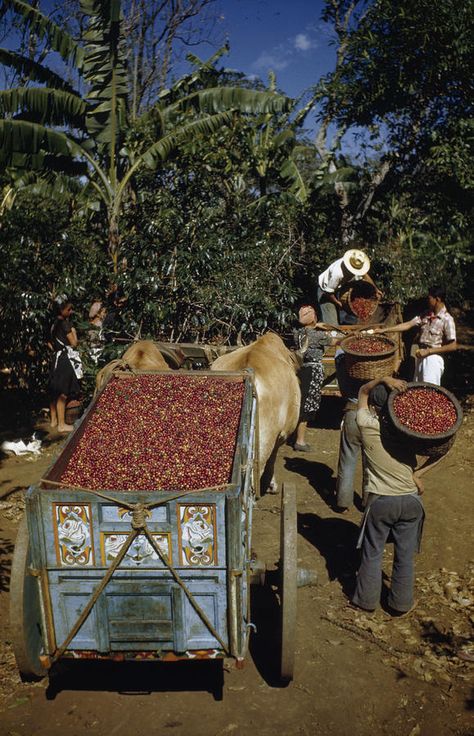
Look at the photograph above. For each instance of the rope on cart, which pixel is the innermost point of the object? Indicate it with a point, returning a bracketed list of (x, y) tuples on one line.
[(188, 593), (95, 595), (128, 504)]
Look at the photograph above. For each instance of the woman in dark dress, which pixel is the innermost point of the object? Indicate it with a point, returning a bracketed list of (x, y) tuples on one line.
[(66, 368), (311, 342)]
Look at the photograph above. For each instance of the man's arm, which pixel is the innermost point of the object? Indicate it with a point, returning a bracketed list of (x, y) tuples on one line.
[(72, 337), (367, 277), (389, 381), (448, 348), (402, 327), (429, 464), (330, 295)]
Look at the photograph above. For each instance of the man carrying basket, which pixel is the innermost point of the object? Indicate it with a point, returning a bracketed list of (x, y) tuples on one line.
[(353, 266)]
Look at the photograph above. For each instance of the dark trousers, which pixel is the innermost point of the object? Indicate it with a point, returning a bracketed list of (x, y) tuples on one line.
[(403, 517)]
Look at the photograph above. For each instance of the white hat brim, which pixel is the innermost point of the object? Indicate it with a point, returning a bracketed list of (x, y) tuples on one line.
[(354, 252)]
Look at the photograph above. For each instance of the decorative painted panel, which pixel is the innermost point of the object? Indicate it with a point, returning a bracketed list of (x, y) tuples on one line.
[(73, 535), (117, 513), (139, 554), (197, 535)]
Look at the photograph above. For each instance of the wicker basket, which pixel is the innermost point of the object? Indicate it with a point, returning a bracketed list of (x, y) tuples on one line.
[(366, 367), (432, 445), (364, 290)]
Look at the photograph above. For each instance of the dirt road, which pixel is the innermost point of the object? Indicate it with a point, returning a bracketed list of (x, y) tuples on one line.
[(356, 675)]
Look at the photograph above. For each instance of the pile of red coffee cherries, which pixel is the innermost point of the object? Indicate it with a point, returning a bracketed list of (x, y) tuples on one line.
[(363, 308), (425, 410), (159, 432), (368, 345)]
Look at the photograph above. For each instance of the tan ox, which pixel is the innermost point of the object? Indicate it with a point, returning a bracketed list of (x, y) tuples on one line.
[(278, 393), (142, 355)]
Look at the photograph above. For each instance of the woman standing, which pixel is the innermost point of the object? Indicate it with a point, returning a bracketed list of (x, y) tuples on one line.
[(311, 343), (66, 366)]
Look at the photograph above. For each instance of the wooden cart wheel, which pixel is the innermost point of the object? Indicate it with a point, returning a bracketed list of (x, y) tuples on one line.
[(288, 580), (25, 609)]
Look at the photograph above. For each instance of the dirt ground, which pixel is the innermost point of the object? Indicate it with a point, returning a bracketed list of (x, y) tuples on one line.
[(356, 674)]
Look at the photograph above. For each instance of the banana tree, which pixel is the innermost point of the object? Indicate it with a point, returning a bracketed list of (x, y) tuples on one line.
[(57, 128)]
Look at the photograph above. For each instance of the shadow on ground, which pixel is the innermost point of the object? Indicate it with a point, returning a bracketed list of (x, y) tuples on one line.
[(137, 678), (336, 540), (319, 475)]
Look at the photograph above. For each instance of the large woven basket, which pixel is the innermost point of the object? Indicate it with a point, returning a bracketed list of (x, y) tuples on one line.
[(366, 367), (362, 289), (432, 445)]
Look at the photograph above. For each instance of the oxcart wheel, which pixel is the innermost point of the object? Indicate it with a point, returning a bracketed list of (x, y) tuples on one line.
[(25, 617), (288, 580)]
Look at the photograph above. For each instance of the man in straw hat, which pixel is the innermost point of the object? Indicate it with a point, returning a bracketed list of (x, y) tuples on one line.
[(353, 266)]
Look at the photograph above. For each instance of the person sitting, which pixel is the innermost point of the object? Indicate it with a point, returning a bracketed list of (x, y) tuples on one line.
[(437, 336), (311, 342), (353, 265)]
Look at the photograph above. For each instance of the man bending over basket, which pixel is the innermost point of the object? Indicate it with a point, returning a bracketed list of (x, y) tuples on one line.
[(437, 335), (392, 489)]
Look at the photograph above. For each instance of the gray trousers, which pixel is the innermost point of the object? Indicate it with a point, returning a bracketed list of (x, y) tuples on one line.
[(327, 309), (350, 445), (403, 517)]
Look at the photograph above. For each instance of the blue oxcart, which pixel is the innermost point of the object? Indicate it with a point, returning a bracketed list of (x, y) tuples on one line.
[(119, 576)]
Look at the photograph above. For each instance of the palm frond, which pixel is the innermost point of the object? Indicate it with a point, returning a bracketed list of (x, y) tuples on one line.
[(34, 71), (219, 99), (40, 25), (105, 72), (161, 150), (45, 105), (291, 173)]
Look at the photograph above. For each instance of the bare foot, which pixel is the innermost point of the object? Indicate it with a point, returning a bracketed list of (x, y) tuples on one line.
[(65, 427), (53, 425)]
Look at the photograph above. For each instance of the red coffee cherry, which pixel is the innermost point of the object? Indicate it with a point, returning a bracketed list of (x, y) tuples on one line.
[(149, 432), (425, 410), (363, 308), (368, 345)]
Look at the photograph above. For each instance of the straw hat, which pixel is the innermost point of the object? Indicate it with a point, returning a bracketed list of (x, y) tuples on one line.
[(356, 261)]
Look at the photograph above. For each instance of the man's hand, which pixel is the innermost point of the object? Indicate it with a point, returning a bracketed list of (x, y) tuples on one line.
[(378, 293), (419, 484), (422, 353), (395, 383)]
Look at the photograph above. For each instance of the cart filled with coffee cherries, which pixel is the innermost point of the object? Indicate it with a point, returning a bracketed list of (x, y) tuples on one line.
[(137, 542)]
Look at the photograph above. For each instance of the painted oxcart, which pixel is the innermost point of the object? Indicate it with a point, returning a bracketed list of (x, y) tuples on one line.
[(136, 544)]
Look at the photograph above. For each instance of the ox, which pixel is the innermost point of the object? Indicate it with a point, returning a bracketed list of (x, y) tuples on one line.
[(278, 394), (142, 355)]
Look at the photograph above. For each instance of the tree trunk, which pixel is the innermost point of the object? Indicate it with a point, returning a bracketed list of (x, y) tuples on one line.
[(114, 242)]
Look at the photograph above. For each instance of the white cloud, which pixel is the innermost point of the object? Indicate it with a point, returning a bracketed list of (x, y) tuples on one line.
[(268, 60), (303, 42)]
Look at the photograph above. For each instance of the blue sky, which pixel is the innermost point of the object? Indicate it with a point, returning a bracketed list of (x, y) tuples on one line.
[(286, 36)]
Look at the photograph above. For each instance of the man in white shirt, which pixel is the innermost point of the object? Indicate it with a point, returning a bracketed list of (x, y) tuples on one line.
[(353, 266)]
